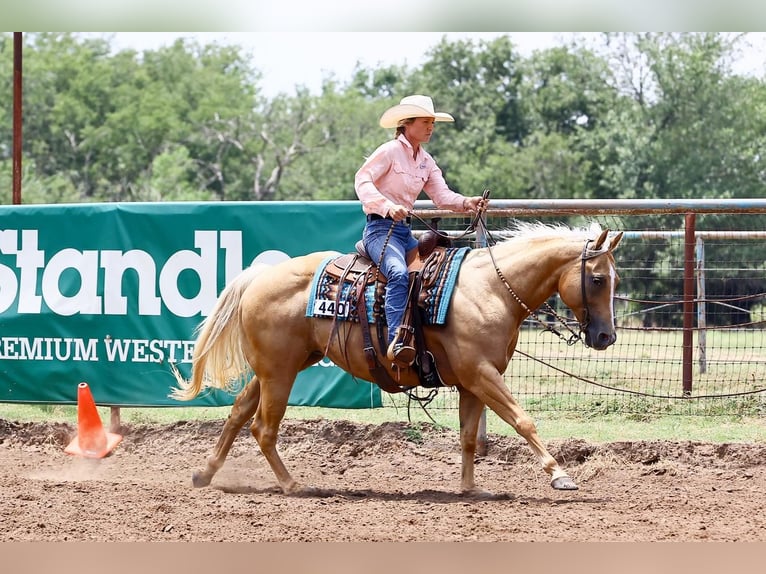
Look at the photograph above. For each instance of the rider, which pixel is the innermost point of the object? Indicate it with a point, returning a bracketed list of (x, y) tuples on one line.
[(387, 184)]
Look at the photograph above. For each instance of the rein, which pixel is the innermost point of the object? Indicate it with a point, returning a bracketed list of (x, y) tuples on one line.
[(477, 220), (574, 336)]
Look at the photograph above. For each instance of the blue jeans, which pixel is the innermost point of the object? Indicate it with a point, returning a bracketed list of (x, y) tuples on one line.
[(393, 266)]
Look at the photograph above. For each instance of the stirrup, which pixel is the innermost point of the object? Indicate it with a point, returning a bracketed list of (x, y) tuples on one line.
[(400, 354), (400, 350)]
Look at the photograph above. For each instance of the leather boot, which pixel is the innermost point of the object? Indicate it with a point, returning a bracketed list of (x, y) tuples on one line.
[(400, 351)]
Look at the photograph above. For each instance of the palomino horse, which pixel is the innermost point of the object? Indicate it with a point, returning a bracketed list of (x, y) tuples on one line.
[(259, 325)]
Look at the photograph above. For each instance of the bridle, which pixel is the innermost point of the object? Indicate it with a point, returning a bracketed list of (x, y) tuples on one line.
[(586, 310), (479, 223)]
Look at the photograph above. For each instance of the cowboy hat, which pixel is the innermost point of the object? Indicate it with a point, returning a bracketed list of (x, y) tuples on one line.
[(412, 107)]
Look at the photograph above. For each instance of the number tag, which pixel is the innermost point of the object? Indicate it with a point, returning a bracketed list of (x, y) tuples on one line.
[(326, 308)]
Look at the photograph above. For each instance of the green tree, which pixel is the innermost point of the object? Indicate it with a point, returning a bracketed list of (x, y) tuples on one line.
[(703, 125), (347, 131), (479, 83), (101, 119), (201, 99), (66, 98), (566, 97), (644, 115)]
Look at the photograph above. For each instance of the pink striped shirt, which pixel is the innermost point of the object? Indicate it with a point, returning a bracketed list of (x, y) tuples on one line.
[(391, 176)]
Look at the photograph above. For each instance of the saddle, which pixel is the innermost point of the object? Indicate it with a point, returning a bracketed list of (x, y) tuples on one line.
[(360, 271), (353, 265)]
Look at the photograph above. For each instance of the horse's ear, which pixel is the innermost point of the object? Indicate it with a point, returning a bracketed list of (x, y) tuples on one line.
[(600, 241), (615, 241)]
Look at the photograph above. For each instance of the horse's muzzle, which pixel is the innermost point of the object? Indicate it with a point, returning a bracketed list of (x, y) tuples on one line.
[(599, 339)]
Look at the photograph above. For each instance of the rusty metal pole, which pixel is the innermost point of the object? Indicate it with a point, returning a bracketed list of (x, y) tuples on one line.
[(689, 266), (701, 310), (481, 434), (17, 117), (115, 422)]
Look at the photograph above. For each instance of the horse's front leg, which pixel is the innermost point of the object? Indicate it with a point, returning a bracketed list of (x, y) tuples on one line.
[(244, 406), (490, 388), (470, 415)]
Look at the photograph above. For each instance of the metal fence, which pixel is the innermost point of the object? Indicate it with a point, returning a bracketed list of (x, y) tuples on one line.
[(690, 311)]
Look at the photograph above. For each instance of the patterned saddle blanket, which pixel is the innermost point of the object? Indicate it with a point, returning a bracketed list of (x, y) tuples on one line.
[(337, 281)]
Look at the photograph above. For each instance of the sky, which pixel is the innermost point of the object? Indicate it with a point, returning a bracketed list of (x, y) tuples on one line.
[(290, 59)]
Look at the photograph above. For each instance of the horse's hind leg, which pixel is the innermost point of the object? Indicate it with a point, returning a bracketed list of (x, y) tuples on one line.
[(244, 406), (265, 428)]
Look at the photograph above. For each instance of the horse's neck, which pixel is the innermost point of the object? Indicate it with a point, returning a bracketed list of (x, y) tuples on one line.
[(533, 268)]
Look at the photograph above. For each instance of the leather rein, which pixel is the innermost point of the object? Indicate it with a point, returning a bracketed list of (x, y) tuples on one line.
[(475, 222), (478, 221), (583, 325)]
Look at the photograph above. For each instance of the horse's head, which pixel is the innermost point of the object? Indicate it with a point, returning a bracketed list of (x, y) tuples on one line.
[(588, 289)]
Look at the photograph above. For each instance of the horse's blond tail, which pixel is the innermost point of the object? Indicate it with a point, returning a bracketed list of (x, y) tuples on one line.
[(218, 360)]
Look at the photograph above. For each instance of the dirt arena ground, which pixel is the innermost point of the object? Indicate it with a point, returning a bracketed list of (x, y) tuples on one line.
[(389, 482)]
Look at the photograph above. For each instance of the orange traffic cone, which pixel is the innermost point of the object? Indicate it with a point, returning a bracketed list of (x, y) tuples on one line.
[(91, 440)]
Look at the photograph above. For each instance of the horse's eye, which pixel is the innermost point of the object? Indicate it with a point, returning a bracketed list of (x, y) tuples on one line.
[(597, 280)]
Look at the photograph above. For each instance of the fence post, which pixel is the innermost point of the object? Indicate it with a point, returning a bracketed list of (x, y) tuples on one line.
[(701, 310), (115, 424), (481, 433), (688, 339), (17, 119)]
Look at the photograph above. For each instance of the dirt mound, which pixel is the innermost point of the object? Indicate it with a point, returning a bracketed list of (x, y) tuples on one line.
[(387, 482)]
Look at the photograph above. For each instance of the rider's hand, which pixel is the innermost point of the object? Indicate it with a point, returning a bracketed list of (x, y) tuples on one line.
[(475, 204), (398, 212)]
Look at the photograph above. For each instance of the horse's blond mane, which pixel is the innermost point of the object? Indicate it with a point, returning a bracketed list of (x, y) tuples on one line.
[(538, 229)]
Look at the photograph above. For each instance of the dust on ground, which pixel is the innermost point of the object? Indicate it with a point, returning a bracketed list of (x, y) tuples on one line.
[(388, 482)]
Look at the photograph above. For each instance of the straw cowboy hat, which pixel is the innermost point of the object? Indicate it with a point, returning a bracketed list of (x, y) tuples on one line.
[(412, 107)]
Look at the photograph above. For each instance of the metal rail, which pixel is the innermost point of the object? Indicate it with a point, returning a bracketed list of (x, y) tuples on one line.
[(531, 207)]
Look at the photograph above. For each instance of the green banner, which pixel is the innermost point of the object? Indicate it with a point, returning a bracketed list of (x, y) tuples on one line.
[(110, 294)]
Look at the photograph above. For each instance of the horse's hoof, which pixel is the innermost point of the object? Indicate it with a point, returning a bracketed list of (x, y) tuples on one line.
[(477, 494), (200, 479), (293, 489), (564, 483), (310, 492)]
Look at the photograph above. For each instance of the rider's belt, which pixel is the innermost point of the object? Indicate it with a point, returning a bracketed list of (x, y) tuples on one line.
[(374, 216)]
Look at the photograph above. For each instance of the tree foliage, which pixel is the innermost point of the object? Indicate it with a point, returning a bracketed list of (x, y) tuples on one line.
[(654, 115)]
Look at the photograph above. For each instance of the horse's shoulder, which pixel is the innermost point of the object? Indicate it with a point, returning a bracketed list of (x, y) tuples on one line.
[(476, 258)]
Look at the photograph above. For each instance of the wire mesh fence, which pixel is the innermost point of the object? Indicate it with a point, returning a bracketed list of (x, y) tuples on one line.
[(664, 361)]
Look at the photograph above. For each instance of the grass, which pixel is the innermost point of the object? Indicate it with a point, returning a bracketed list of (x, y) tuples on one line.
[(734, 365), (561, 405), (604, 427)]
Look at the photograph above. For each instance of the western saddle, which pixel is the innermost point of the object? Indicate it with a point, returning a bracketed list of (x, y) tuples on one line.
[(359, 270)]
